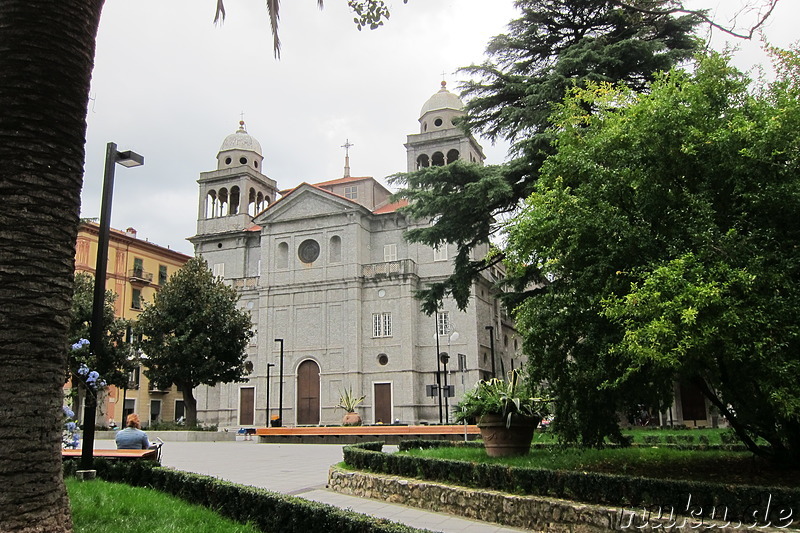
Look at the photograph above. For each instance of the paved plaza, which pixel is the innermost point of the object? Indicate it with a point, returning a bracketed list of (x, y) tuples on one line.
[(300, 470)]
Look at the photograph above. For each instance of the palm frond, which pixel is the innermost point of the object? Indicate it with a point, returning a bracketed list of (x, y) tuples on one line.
[(220, 14), (273, 8)]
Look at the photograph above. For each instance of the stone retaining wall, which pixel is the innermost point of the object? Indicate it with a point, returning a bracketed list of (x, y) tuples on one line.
[(533, 513)]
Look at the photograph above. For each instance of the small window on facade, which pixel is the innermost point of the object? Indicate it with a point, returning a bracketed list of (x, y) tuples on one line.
[(443, 323), (180, 411), (136, 299), (440, 252), (437, 122), (390, 252), (243, 160), (227, 160), (351, 192), (218, 270), (505, 340), (383, 359), (162, 274), (382, 324)]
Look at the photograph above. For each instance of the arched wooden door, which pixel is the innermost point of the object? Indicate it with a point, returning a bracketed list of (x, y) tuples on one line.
[(308, 393)]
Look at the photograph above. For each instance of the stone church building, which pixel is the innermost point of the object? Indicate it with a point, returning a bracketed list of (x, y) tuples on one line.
[(329, 281)]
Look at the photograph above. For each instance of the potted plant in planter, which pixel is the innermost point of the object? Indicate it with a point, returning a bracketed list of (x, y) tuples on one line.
[(349, 402), (506, 414)]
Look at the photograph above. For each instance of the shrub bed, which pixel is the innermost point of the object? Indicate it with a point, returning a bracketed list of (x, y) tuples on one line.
[(740, 501), (270, 512)]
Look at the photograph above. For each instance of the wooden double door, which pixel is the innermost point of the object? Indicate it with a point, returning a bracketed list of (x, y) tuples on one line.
[(308, 393)]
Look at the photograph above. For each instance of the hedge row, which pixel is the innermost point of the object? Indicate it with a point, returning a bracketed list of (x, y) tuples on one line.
[(741, 501), (270, 512), (430, 443)]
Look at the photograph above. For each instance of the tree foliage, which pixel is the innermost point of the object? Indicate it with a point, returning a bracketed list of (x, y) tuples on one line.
[(118, 359), (193, 333), (666, 225), (554, 45), (368, 13)]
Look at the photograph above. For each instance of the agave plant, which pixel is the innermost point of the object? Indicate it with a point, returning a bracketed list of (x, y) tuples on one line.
[(504, 397), (348, 401)]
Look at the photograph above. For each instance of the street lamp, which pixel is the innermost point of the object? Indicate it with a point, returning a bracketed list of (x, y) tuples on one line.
[(269, 365), (126, 159), (280, 388), (438, 364), (491, 347), (453, 337)]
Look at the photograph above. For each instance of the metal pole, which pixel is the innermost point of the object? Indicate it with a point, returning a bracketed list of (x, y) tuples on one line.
[(438, 365), (491, 347), (280, 387), (98, 305), (446, 358), (269, 365)]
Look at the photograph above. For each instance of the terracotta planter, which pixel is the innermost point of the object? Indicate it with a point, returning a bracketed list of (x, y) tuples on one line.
[(502, 441), (351, 419)]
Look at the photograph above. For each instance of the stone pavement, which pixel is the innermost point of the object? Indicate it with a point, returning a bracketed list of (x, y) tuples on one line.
[(300, 470)]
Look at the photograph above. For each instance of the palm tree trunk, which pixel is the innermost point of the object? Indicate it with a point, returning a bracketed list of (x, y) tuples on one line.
[(46, 57)]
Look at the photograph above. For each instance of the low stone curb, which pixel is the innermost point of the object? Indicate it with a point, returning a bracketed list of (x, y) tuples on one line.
[(535, 513)]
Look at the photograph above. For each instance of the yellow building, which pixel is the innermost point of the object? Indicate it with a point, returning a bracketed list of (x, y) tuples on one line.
[(136, 270)]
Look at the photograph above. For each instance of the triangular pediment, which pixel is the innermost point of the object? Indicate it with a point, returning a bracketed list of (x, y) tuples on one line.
[(304, 202)]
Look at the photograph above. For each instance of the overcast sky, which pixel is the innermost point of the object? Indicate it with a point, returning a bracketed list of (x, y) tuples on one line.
[(171, 86)]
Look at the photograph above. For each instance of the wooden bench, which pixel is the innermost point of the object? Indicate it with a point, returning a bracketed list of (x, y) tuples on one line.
[(151, 454), (352, 434)]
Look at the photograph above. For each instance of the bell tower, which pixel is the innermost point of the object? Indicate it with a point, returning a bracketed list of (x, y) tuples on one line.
[(440, 141), (232, 195)]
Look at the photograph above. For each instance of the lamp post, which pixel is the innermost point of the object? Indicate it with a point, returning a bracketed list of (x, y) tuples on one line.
[(269, 365), (453, 337), (491, 348), (438, 364), (280, 388), (126, 159)]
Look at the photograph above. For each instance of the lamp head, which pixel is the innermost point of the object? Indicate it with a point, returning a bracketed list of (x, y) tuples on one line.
[(130, 159)]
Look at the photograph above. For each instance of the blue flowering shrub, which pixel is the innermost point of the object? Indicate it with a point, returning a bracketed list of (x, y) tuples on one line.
[(91, 382)]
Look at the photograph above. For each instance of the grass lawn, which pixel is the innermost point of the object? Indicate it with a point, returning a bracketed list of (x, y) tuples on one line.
[(639, 435), (101, 507), (711, 466)]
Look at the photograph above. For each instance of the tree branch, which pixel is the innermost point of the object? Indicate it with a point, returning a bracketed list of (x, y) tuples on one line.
[(701, 14)]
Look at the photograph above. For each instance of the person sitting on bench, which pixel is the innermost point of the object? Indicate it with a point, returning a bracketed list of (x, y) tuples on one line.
[(132, 437)]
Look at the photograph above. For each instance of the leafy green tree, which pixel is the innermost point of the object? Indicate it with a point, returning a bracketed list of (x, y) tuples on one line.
[(193, 333), (119, 356), (554, 45), (666, 228)]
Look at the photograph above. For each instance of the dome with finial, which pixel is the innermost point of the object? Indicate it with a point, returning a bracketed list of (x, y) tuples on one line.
[(241, 140), (442, 99)]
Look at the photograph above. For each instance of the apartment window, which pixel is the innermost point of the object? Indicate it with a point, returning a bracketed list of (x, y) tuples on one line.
[(136, 299), (390, 252), (219, 270), (382, 324), (138, 266), (443, 323), (351, 192), (155, 410), (440, 253), (162, 274), (180, 411), (133, 378)]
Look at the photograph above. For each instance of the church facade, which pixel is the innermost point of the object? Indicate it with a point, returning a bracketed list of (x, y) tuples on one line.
[(329, 281)]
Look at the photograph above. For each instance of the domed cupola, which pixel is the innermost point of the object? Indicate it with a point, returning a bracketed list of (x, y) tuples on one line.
[(239, 149), (439, 142), (439, 112)]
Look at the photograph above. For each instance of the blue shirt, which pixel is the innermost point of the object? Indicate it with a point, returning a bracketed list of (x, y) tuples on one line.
[(132, 439)]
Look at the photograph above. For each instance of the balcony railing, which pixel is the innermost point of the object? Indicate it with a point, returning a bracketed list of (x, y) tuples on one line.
[(140, 276), (389, 268), (244, 283)]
